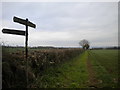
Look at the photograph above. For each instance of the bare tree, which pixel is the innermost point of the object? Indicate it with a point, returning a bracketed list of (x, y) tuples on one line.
[(84, 43)]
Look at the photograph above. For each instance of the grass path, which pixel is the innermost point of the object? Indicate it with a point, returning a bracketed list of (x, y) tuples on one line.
[(71, 74), (92, 74)]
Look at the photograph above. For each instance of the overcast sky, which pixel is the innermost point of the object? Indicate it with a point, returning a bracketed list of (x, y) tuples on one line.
[(63, 23)]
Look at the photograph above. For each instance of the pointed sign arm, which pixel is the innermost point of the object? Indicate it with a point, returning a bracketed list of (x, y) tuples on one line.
[(16, 32), (22, 21)]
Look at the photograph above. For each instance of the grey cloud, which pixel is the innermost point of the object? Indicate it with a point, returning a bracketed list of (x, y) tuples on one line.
[(96, 22)]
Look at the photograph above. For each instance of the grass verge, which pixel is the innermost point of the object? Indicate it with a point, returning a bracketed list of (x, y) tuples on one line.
[(71, 74)]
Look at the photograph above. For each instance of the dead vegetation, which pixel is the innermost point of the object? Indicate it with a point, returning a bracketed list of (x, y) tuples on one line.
[(15, 65)]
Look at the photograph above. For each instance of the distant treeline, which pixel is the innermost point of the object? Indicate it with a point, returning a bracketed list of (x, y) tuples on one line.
[(13, 46), (115, 47), (28, 47), (51, 47), (39, 47)]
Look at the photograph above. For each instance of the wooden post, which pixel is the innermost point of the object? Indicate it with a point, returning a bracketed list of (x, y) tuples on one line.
[(26, 49), (26, 42)]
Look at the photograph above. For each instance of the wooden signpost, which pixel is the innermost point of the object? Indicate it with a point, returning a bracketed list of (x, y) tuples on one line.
[(19, 32)]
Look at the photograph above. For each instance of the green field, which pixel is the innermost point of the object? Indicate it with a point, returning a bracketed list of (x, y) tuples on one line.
[(84, 69), (105, 66)]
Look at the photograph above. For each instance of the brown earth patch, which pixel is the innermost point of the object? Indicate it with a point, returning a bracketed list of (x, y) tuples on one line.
[(92, 82)]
